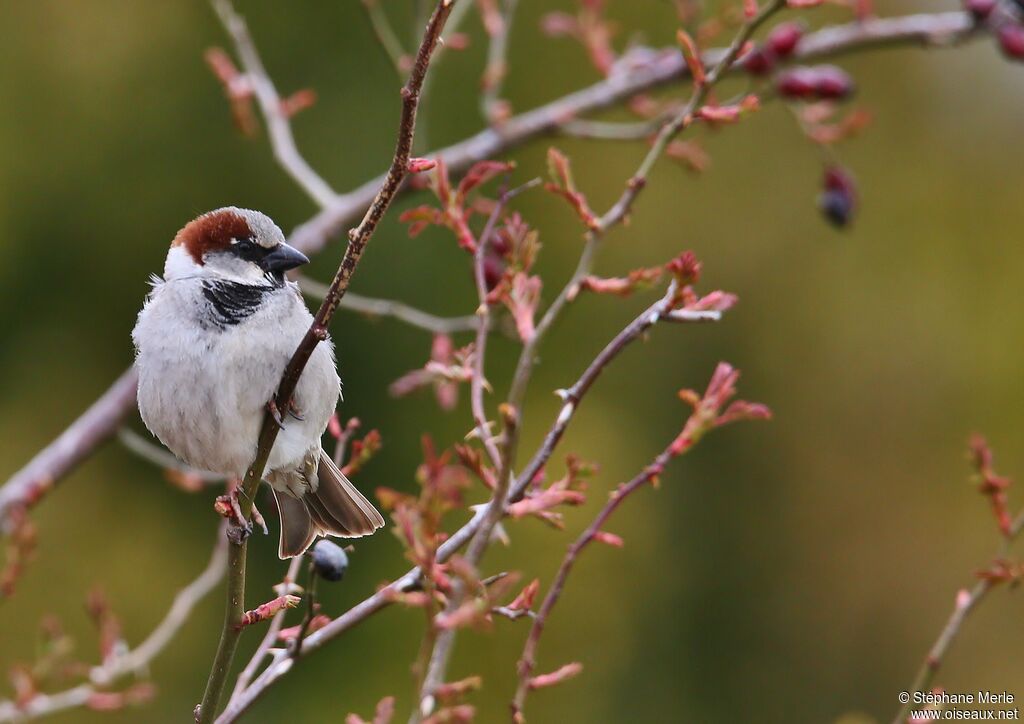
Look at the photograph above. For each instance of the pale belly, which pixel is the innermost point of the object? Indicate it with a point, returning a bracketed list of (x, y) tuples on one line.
[(204, 392)]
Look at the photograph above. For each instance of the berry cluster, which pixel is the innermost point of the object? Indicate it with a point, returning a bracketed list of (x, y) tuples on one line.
[(779, 45)]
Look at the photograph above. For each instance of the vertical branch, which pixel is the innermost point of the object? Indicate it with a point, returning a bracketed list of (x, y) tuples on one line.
[(358, 239), (282, 141), (493, 108), (528, 660), (247, 674), (386, 36)]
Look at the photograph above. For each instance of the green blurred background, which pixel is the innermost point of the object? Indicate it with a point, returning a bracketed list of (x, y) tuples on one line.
[(792, 571)]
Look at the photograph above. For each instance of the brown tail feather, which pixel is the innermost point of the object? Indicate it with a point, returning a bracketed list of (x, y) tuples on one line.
[(297, 528), (338, 507)]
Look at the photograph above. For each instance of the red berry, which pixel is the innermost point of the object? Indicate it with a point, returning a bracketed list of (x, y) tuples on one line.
[(837, 178), (832, 83), (797, 83), (783, 38), (758, 61), (1011, 40), (494, 270), (980, 9)]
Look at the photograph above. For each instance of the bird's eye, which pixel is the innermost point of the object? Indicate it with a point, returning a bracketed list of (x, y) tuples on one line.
[(248, 249)]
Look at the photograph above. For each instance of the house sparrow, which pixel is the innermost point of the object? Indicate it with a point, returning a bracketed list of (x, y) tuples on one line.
[(211, 343)]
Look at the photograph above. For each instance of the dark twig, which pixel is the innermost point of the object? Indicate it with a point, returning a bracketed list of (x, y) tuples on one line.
[(270, 637), (376, 307), (358, 239), (528, 659)]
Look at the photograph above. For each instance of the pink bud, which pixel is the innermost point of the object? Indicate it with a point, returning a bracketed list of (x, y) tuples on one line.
[(1011, 40), (457, 41), (419, 165), (609, 539), (334, 426), (783, 38)]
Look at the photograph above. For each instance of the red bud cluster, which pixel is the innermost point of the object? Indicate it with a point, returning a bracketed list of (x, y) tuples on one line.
[(816, 83), (779, 45)]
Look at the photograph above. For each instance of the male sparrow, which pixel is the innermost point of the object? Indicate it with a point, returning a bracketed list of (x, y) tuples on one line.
[(211, 343)]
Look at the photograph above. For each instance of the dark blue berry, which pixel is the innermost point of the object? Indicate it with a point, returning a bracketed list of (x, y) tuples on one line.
[(837, 206), (329, 560)]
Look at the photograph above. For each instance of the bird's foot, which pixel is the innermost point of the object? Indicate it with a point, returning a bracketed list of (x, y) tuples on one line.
[(295, 412), (227, 505)]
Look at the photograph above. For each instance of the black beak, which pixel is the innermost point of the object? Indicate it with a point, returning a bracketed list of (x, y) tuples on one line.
[(282, 258)]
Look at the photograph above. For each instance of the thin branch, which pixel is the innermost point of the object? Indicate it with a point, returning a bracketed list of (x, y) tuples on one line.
[(479, 380), (134, 661), (494, 511), (375, 307), (26, 487), (963, 607), (926, 30), (358, 239), (615, 215), (278, 125), (458, 14), (612, 131), (311, 578), (270, 637), (497, 66), (620, 209), (528, 659), (387, 37), (75, 444)]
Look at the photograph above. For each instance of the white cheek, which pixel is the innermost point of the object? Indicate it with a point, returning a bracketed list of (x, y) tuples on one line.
[(230, 266), (179, 264)]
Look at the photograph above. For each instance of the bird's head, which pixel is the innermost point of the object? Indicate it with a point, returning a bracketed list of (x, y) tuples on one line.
[(231, 243)]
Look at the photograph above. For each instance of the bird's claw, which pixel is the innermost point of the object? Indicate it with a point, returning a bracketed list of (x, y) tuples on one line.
[(295, 412), (259, 520), (275, 413), (227, 505)]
